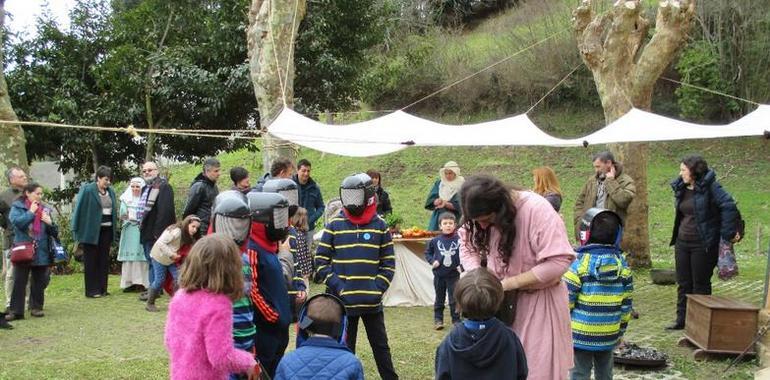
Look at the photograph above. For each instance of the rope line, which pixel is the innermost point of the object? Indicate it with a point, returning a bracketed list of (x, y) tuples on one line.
[(711, 91), (290, 56), (554, 87), (484, 69), (131, 130)]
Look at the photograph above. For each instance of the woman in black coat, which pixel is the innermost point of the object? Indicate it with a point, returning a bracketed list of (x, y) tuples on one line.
[(383, 199), (705, 214)]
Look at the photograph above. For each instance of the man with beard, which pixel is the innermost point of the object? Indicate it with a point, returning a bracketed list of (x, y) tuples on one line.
[(609, 188), (155, 212)]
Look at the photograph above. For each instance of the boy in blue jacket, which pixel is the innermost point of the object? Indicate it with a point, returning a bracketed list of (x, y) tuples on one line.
[(600, 286), (355, 260), (321, 351), (443, 254), (480, 347)]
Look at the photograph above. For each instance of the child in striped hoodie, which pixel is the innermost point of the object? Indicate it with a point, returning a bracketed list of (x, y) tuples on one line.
[(355, 260), (600, 287)]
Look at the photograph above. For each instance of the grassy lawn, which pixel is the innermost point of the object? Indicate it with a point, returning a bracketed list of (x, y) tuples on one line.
[(115, 338)]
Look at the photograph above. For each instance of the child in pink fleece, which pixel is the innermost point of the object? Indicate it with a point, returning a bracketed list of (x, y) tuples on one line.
[(199, 336)]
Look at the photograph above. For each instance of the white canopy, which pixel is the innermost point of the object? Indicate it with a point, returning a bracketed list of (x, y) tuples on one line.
[(399, 130)]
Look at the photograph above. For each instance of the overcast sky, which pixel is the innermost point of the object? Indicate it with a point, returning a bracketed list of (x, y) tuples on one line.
[(22, 13)]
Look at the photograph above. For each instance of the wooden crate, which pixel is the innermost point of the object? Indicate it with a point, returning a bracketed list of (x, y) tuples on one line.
[(720, 325)]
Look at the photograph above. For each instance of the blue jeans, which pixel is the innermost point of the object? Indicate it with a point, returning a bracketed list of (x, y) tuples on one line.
[(601, 361), (444, 286), (160, 273), (147, 248)]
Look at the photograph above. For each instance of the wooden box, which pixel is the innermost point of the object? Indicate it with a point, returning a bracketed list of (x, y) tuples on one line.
[(720, 325)]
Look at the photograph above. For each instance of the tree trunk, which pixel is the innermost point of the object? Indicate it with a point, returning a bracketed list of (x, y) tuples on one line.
[(272, 31), (625, 71), (13, 149), (149, 154)]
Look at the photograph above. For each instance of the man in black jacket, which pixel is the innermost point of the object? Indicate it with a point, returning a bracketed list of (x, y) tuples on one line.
[(156, 210), (202, 193)]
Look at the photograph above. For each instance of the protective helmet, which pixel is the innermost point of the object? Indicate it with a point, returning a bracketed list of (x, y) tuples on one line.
[(272, 210), (231, 215), (306, 325), (357, 192), (587, 225), (285, 187)]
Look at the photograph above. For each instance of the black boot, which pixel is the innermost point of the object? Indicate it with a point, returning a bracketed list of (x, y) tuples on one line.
[(153, 295), (4, 323)]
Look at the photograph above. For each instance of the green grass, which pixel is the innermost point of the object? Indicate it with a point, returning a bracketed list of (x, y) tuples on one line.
[(115, 338)]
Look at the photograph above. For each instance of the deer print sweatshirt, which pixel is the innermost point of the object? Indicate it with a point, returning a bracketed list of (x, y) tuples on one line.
[(446, 250)]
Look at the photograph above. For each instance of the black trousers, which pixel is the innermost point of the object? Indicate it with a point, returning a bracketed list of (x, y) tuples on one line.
[(444, 286), (378, 340), (271, 344), (96, 263), (40, 276), (694, 267)]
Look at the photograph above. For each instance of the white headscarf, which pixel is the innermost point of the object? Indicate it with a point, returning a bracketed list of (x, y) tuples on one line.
[(447, 189), (128, 196)]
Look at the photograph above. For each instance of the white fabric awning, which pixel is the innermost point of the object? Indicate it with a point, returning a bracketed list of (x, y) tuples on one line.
[(399, 130)]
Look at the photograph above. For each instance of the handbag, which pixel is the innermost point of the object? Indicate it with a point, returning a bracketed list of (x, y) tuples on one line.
[(727, 265), (506, 313), (60, 254), (24, 252)]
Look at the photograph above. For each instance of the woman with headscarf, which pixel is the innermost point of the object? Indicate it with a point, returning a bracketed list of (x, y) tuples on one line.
[(444, 196), (134, 273)]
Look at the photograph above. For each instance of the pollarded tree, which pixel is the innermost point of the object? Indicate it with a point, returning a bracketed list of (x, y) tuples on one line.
[(625, 66), (12, 142), (273, 27)]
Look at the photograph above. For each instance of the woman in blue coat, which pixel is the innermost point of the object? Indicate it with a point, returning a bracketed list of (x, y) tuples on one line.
[(705, 215), (94, 225), (31, 221)]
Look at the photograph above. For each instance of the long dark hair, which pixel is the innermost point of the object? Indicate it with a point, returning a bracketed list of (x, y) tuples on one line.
[(483, 195), (30, 188), (697, 166), (183, 225)]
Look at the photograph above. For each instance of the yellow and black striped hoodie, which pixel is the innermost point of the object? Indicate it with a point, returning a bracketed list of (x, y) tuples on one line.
[(356, 262)]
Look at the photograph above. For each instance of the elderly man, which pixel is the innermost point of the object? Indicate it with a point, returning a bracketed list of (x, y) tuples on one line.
[(203, 191), (156, 211), (17, 179), (608, 188)]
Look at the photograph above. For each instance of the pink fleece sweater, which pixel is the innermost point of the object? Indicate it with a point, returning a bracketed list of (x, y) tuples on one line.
[(199, 337)]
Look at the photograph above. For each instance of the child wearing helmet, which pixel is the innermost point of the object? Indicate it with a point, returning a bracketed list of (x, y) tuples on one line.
[(321, 351), (600, 286), (355, 260)]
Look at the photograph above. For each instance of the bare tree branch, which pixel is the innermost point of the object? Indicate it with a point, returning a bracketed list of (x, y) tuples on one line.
[(671, 26)]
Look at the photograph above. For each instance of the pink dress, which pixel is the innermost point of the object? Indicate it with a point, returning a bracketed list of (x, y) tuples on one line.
[(199, 337), (542, 315)]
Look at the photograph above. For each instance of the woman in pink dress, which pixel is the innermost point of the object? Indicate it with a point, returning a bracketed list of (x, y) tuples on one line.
[(525, 244)]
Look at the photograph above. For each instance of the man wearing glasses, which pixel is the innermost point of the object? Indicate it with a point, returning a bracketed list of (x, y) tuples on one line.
[(155, 211)]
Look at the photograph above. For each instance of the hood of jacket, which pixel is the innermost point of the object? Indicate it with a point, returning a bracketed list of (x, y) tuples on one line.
[(606, 262), (701, 185), (480, 347)]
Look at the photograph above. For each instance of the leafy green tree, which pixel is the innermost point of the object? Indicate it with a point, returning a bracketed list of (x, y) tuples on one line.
[(332, 46)]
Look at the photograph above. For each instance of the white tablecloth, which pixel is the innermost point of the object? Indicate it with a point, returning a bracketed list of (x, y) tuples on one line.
[(412, 283)]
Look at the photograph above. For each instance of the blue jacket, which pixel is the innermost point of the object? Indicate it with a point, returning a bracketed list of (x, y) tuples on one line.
[(600, 289), (270, 294), (715, 211), (320, 358), (446, 250), (492, 351), (87, 215), (21, 220), (356, 262), (311, 200)]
